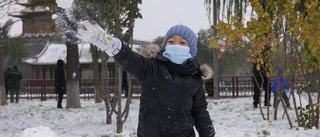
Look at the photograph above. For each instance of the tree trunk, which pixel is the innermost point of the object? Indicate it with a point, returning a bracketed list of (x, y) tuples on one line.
[(105, 90), (314, 107), (119, 116), (108, 113), (318, 108), (96, 74), (260, 88), (97, 82), (294, 100), (277, 98), (119, 125), (216, 92), (73, 95), (122, 115), (3, 97)]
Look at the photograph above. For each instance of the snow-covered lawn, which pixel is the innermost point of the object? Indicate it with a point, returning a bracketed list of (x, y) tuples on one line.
[(231, 118)]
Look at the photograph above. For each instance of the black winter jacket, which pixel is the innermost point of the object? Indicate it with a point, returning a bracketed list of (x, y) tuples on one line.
[(60, 79), (172, 100), (6, 75), (14, 78)]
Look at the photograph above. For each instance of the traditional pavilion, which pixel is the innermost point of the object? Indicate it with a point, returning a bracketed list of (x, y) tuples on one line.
[(36, 19), (44, 46), (37, 25), (44, 63)]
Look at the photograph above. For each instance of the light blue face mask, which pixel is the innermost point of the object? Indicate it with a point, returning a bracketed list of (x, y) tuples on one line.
[(177, 53)]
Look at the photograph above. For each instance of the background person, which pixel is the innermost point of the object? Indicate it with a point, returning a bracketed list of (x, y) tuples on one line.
[(60, 81), (125, 86), (6, 75), (283, 87), (260, 80), (14, 78)]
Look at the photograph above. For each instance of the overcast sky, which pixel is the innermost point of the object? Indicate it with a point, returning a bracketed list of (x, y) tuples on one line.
[(160, 15)]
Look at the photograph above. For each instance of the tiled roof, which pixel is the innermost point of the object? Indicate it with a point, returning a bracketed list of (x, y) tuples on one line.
[(54, 51)]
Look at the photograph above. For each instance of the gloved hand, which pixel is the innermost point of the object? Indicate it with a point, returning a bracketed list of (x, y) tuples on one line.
[(94, 34)]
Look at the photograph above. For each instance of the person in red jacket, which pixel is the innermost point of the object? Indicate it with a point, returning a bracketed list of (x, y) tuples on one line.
[(172, 101)]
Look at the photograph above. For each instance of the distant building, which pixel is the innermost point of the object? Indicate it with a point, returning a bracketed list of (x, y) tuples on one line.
[(44, 46), (43, 64), (37, 25)]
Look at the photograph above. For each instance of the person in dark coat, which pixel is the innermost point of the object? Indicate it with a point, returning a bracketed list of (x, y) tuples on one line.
[(260, 78), (14, 78), (125, 86), (60, 82), (6, 75), (172, 100)]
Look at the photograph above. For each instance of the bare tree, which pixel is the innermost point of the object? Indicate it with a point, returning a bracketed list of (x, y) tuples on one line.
[(107, 15), (3, 100), (2, 90), (96, 73), (296, 33), (105, 90), (13, 53), (69, 26)]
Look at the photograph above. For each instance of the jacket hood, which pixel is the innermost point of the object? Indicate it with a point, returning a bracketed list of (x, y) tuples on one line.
[(152, 51), (60, 63), (15, 68), (281, 70)]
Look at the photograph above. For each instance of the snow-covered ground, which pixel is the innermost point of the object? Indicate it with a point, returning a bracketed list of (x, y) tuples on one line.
[(231, 117)]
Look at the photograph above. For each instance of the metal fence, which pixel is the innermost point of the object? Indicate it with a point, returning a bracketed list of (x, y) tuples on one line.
[(45, 89), (241, 86), (229, 86)]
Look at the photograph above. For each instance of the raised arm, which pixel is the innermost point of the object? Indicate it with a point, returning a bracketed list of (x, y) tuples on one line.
[(141, 68)]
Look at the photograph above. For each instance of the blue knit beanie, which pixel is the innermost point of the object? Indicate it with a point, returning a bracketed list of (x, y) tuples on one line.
[(186, 33)]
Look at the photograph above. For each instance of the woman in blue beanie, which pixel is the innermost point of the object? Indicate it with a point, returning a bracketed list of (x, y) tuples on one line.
[(172, 100)]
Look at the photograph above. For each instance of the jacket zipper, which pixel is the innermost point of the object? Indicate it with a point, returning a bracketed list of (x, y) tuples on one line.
[(178, 108)]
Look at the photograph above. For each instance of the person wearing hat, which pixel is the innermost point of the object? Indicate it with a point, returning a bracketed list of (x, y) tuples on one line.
[(60, 82), (172, 100)]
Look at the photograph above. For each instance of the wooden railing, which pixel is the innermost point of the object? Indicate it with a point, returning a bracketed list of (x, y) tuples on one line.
[(44, 89), (229, 86), (240, 86)]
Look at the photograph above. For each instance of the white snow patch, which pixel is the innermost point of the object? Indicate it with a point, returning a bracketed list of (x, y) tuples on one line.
[(39, 131)]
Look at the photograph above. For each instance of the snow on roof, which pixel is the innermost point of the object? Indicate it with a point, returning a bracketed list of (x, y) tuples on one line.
[(23, 1), (64, 3), (36, 9), (54, 51)]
